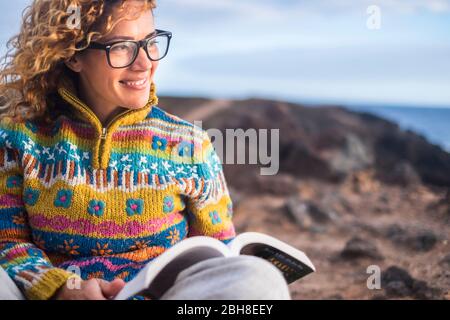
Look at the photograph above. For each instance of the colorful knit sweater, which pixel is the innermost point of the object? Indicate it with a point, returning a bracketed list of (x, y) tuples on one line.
[(76, 196)]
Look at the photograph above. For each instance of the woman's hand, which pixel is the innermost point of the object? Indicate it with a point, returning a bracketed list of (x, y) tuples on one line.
[(93, 289)]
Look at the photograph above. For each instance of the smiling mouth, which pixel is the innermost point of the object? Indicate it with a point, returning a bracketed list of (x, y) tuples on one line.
[(134, 84)]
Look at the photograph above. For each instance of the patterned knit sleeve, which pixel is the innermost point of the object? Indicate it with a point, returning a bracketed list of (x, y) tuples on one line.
[(210, 206), (26, 264)]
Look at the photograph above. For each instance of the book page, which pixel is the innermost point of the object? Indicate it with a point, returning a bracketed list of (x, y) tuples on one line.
[(160, 274)]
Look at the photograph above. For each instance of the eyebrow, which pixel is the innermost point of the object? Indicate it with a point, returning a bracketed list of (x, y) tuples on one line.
[(127, 38)]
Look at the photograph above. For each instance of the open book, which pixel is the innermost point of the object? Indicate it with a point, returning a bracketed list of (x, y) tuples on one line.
[(160, 274)]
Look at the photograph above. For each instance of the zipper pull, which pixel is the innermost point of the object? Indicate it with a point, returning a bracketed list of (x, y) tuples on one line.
[(103, 136)]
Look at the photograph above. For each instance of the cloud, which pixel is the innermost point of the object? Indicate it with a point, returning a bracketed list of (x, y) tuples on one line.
[(393, 6), (434, 6), (340, 63), (250, 17), (273, 10)]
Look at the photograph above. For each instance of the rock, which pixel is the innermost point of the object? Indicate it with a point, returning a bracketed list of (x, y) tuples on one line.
[(346, 205), (364, 182), (328, 142), (357, 248), (307, 213), (446, 261), (396, 233), (279, 184), (428, 160), (248, 179), (421, 290), (318, 229), (353, 157), (423, 240), (318, 214), (402, 174), (303, 161), (397, 282), (298, 212), (441, 207), (384, 198), (364, 227), (397, 289), (382, 209)]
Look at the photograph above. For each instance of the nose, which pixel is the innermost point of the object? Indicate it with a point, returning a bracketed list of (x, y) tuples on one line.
[(142, 61)]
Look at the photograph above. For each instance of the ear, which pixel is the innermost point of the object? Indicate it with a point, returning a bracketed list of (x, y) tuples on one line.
[(74, 64)]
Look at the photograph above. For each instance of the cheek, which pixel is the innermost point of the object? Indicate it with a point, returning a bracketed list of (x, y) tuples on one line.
[(100, 74), (95, 61), (104, 81), (155, 65), (97, 69)]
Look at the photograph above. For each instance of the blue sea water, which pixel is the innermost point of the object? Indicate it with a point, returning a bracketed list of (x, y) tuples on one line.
[(432, 123)]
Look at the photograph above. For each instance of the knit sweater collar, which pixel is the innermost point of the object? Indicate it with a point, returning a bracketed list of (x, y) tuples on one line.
[(101, 148), (83, 112)]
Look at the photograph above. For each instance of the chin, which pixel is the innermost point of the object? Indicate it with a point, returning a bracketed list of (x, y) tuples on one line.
[(133, 99), (135, 103)]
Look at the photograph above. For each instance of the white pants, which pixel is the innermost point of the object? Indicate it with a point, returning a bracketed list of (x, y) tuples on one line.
[(8, 289)]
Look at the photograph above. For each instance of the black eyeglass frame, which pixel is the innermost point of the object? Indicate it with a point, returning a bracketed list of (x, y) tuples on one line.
[(141, 44)]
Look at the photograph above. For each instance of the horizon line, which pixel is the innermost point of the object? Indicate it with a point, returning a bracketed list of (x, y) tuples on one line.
[(307, 101)]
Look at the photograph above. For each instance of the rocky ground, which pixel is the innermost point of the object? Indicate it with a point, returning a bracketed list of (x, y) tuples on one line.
[(353, 191), (345, 230)]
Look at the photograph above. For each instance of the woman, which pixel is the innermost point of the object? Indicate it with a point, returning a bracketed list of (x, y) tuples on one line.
[(95, 177)]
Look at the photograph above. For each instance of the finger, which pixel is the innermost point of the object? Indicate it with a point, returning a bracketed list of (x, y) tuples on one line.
[(104, 287), (111, 289), (92, 290), (117, 285), (96, 296)]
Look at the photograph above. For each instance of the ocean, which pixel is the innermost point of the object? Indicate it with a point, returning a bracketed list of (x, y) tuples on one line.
[(432, 123)]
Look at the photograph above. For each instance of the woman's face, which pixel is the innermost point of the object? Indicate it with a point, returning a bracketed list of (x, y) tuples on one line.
[(104, 88)]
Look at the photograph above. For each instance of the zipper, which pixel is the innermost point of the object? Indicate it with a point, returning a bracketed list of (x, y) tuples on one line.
[(104, 133), (104, 130)]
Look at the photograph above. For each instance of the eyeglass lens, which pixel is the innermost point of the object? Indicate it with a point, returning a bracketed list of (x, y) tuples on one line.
[(123, 54)]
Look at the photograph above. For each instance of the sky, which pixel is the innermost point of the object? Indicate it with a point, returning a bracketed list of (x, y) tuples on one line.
[(303, 51)]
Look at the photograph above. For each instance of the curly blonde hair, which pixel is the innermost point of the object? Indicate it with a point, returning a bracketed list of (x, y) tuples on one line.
[(35, 62)]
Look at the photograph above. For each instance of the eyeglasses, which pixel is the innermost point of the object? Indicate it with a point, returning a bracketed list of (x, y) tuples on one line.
[(122, 54)]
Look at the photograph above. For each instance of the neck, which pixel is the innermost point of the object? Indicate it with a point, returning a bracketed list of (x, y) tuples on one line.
[(104, 110)]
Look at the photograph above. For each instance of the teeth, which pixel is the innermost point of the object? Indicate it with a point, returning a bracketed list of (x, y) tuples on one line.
[(135, 83)]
